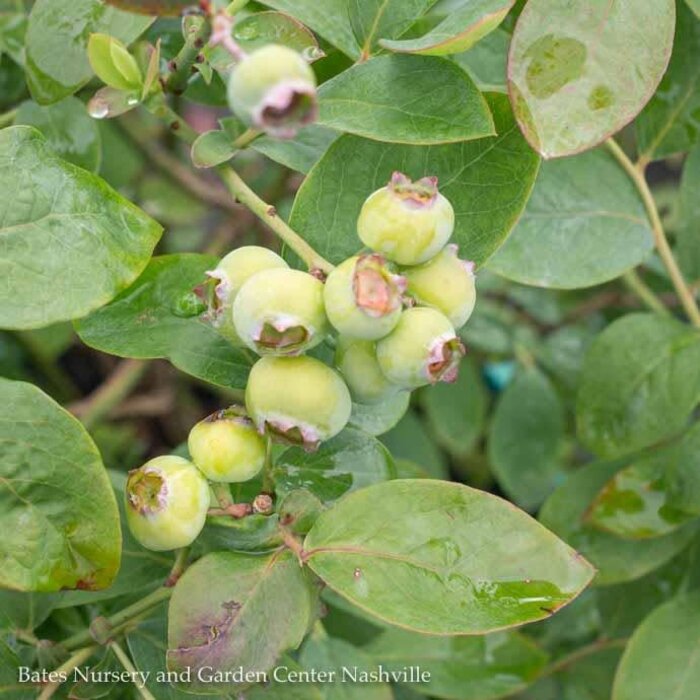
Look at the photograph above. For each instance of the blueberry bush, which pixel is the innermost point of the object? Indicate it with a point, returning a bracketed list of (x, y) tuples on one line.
[(350, 342)]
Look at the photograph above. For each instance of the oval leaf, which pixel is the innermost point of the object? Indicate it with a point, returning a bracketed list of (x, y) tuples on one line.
[(58, 513), (640, 382), (68, 242), (377, 419), (526, 437), (466, 668), (349, 461), (459, 31), (670, 123), (261, 28), (69, 130), (661, 658), (237, 611), (504, 166), (421, 100), (442, 558), (616, 559), (147, 321), (578, 73), (160, 8), (584, 224), (57, 38)]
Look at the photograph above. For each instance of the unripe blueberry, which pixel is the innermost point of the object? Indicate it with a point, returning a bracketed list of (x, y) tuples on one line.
[(408, 222), (227, 447), (422, 349), (445, 283), (363, 298), (299, 400), (357, 362), (274, 89), (166, 503), (280, 312), (232, 272)]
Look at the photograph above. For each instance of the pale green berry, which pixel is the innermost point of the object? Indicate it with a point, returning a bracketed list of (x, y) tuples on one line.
[(166, 503), (357, 362), (363, 298), (231, 273), (274, 89), (408, 222), (280, 312), (445, 283), (227, 447), (422, 349), (298, 400)]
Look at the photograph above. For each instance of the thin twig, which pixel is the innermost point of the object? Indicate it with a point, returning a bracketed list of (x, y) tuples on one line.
[(181, 66), (80, 657), (109, 394), (125, 661), (662, 245), (7, 118), (582, 653), (639, 287)]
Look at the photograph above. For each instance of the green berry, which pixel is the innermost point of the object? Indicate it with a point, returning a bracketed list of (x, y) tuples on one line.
[(299, 400), (226, 447), (445, 283), (274, 89), (363, 298), (232, 272), (422, 349), (280, 312), (357, 362), (408, 222), (166, 503)]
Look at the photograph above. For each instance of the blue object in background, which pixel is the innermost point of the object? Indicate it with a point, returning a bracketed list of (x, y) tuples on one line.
[(498, 375)]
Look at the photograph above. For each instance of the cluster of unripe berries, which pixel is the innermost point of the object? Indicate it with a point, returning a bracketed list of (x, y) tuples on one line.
[(395, 310)]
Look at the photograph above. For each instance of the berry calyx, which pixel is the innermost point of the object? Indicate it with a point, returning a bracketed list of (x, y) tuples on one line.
[(422, 349), (232, 272), (363, 297), (357, 362), (226, 447), (297, 400), (280, 312), (445, 283), (274, 89), (408, 222), (166, 503)]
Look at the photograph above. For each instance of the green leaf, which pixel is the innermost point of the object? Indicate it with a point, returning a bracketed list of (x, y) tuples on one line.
[(346, 666), (70, 132), (486, 62), (57, 510), (633, 503), (456, 412), (504, 167), (409, 439), (329, 19), (661, 658), (406, 99), (578, 74), (462, 668), (150, 320), (584, 224), (640, 382), (459, 31), (526, 438), (284, 686), (616, 559), (300, 153), (57, 38), (212, 148), (25, 610), (237, 611), (10, 688), (68, 242), (262, 28), (351, 460), (441, 558), (161, 8), (372, 20), (694, 5), (113, 64), (670, 123), (377, 419), (254, 533), (687, 235), (682, 476)]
